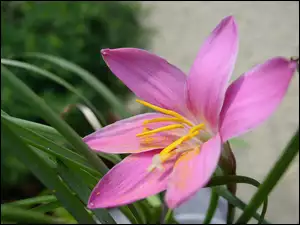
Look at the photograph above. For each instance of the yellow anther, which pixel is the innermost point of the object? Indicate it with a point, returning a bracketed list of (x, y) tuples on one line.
[(145, 129), (166, 128), (165, 153), (172, 146), (163, 119), (196, 128), (165, 111)]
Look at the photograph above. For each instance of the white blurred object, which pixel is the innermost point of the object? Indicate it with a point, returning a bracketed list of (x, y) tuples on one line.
[(194, 210)]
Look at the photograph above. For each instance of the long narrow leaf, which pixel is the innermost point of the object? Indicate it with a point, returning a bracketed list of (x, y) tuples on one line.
[(83, 192), (87, 77), (44, 130), (53, 135), (213, 204), (14, 214), (282, 164), (230, 179), (45, 174), (223, 192), (48, 146), (53, 77), (49, 207), (48, 115), (31, 201)]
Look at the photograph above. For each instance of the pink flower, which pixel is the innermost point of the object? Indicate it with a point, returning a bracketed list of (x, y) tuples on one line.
[(178, 147)]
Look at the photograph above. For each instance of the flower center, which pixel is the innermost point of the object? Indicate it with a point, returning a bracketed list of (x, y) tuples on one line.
[(179, 146)]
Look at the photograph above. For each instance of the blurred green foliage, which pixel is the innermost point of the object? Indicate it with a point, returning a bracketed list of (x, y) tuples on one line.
[(75, 31)]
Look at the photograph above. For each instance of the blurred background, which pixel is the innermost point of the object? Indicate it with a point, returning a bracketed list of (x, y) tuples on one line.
[(173, 30)]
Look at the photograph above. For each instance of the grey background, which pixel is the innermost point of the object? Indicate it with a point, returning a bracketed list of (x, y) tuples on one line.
[(266, 29)]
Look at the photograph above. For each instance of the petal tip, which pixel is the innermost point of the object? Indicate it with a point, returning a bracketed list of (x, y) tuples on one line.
[(230, 20), (91, 205), (105, 51), (293, 64)]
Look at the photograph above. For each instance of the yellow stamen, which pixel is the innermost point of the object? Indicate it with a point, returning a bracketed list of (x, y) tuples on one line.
[(167, 152), (196, 128), (166, 128), (172, 146), (162, 119), (145, 129), (165, 111)]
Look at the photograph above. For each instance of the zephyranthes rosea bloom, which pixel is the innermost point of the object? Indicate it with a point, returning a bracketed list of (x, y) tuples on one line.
[(177, 148)]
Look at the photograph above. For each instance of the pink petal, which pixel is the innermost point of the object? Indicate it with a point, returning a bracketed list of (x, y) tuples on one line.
[(130, 181), (193, 171), (211, 71), (120, 137), (252, 98), (149, 76)]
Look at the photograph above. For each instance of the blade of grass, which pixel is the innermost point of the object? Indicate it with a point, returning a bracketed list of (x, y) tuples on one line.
[(87, 77), (213, 204), (44, 130), (129, 214), (31, 201), (137, 212), (49, 115), (89, 116), (83, 192), (55, 78), (53, 148), (52, 134), (48, 146), (223, 192), (230, 179), (90, 179), (14, 214), (45, 174), (168, 216), (126, 210), (49, 207), (282, 164)]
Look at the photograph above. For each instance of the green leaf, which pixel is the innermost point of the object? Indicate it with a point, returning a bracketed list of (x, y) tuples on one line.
[(168, 216), (273, 177), (40, 107), (52, 147), (49, 207), (138, 213), (229, 179), (129, 214), (48, 146), (32, 201), (18, 215), (87, 77), (44, 130), (213, 204), (45, 174), (53, 77), (222, 191), (83, 192)]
